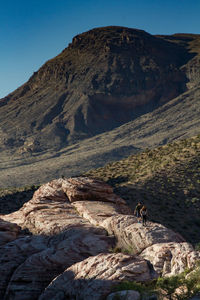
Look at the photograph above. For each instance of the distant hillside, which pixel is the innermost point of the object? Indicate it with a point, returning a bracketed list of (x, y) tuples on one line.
[(103, 79), (166, 179), (112, 92), (177, 119)]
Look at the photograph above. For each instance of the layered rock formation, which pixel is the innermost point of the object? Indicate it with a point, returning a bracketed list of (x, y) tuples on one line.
[(59, 244)]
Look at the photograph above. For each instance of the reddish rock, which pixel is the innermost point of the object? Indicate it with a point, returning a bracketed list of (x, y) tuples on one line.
[(93, 278), (171, 258), (134, 236), (84, 188), (96, 212), (50, 212), (13, 254), (71, 220), (38, 270)]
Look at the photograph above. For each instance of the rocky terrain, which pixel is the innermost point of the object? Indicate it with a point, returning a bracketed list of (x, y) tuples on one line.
[(62, 245), (104, 78), (167, 179), (112, 92)]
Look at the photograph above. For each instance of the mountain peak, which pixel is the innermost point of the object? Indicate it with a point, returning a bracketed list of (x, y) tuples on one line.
[(106, 77)]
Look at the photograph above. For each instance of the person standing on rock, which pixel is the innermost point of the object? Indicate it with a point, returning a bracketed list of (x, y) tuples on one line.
[(137, 211), (143, 213)]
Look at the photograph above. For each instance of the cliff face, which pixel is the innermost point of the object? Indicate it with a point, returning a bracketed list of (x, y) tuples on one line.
[(104, 78)]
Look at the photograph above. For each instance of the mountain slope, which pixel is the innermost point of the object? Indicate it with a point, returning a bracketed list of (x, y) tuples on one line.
[(166, 179), (108, 95), (103, 79), (177, 119)]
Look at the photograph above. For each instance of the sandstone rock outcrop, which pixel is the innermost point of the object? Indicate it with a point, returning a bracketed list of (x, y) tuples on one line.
[(94, 277), (83, 188), (171, 258), (71, 226), (135, 237)]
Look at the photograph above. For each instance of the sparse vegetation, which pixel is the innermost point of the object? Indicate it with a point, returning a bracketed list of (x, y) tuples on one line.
[(166, 179), (12, 199), (179, 287)]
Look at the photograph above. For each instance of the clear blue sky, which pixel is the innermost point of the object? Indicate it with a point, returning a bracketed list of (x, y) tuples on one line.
[(33, 31)]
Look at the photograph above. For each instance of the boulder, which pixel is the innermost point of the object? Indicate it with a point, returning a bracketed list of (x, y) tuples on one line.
[(14, 253), (135, 237), (40, 214), (50, 211), (95, 277), (84, 188), (171, 258), (125, 295)]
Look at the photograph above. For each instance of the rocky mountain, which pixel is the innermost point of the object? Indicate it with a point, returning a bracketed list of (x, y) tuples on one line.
[(103, 79), (112, 92), (76, 239)]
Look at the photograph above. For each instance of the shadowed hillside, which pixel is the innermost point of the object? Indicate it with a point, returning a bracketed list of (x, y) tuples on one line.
[(112, 92), (166, 179), (177, 119)]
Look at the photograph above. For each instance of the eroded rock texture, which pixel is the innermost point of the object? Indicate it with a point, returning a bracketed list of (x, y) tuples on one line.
[(171, 258), (94, 277), (59, 244)]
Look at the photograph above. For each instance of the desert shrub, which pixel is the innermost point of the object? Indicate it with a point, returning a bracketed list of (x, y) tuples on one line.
[(135, 286), (178, 287)]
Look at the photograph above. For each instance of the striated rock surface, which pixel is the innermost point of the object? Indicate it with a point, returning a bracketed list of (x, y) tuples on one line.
[(40, 214), (57, 246), (38, 270), (93, 278), (83, 188), (171, 258), (64, 239), (134, 236), (15, 253)]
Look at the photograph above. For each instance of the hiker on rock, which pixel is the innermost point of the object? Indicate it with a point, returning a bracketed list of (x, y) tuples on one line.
[(137, 211), (143, 213)]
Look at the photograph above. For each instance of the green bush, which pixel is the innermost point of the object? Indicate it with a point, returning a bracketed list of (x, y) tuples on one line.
[(179, 287)]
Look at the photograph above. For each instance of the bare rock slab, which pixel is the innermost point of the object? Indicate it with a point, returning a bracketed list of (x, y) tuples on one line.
[(52, 208), (135, 237), (171, 258), (94, 277), (39, 269), (15, 253), (84, 188)]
